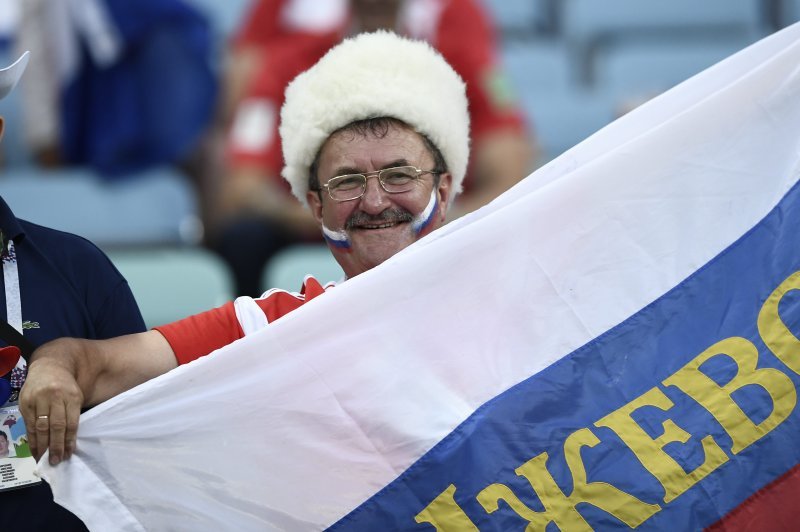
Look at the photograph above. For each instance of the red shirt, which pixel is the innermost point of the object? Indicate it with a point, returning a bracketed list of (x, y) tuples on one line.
[(199, 335)]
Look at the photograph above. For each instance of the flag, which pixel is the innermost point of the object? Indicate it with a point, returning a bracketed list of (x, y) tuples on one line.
[(611, 344)]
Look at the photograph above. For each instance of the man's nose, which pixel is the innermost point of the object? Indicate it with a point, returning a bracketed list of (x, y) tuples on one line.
[(375, 199)]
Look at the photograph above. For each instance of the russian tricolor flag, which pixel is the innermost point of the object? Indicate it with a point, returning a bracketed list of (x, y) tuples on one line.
[(611, 344)]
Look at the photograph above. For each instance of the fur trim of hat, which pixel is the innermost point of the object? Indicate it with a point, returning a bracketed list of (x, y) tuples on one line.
[(374, 75)]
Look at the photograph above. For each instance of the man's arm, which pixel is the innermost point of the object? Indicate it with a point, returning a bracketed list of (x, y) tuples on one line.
[(69, 373)]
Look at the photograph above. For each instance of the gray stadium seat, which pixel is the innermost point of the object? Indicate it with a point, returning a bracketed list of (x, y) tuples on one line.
[(538, 65), (156, 208), (170, 284), (523, 16), (654, 66), (591, 26), (791, 12), (563, 119), (289, 266), (589, 19)]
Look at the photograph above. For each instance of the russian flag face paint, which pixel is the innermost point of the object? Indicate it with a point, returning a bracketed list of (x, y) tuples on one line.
[(336, 239), (424, 219)]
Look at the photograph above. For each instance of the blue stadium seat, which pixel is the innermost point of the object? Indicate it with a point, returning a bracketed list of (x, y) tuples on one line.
[(515, 16), (590, 26), (791, 12), (155, 208), (587, 19), (289, 266), (172, 283), (537, 65), (654, 66), (563, 119)]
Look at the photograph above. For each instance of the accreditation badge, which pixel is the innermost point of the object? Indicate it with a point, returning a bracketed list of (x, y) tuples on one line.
[(17, 465)]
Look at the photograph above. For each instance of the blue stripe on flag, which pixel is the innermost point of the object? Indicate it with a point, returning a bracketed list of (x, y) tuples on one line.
[(721, 300)]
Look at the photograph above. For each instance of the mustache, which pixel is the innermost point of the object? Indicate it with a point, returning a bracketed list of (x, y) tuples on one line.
[(396, 215)]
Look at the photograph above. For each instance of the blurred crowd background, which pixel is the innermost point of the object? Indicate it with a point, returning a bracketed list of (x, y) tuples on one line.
[(143, 126)]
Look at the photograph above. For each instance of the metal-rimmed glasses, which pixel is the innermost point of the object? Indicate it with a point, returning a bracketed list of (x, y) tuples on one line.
[(393, 180)]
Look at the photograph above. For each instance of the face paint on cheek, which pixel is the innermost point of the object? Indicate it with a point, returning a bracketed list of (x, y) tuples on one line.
[(336, 239), (424, 219)]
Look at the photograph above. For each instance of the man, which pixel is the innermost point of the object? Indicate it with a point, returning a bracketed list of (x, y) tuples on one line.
[(54, 284), (3, 444), (281, 38), (375, 141)]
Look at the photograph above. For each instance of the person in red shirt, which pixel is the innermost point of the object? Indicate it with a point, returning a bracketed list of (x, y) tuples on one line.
[(375, 140), (280, 39)]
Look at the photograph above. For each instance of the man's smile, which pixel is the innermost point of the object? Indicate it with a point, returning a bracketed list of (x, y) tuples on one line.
[(379, 226)]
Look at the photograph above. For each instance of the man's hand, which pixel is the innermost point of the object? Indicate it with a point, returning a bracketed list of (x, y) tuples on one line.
[(51, 401), (69, 373)]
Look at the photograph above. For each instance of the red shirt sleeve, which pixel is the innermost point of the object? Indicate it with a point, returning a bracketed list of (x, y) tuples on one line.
[(199, 335)]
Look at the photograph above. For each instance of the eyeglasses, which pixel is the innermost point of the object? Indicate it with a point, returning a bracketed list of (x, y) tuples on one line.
[(393, 180)]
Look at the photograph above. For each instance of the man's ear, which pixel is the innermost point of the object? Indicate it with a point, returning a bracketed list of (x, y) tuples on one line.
[(2, 127), (444, 190), (315, 204)]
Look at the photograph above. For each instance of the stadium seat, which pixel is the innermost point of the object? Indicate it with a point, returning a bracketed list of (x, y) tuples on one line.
[(155, 208), (563, 119), (172, 283), (522, 16), (289, 266), (590, 19), (538, 65), (791, 12), (654, 66), (590, 26)]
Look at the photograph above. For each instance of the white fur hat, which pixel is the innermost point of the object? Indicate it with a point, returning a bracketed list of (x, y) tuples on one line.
[(374, 75)]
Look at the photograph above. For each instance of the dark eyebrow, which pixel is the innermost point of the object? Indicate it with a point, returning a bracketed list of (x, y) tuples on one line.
[(344, 170), (398, 162)]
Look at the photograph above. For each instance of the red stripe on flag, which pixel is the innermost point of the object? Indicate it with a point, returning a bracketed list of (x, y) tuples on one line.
[(776, 506)]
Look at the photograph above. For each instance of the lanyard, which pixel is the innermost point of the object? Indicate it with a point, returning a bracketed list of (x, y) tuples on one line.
[(13, 300), (11, 280)]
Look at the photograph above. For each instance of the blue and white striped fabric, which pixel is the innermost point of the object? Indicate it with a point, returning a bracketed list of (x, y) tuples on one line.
[(612, 343)]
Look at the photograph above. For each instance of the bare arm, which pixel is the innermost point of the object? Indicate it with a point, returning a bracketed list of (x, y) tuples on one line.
[(66, 374)]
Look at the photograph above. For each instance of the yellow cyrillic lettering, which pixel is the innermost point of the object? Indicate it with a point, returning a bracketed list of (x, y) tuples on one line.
[(560, 508), (717, 399), (650, 452), (445, 514), (492, 494), (773, 330)]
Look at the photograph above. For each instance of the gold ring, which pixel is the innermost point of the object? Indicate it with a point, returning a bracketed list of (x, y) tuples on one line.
[(42, 417)]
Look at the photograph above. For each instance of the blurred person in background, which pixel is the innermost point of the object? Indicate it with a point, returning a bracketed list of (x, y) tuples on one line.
[(281, 38), (54, 284), (118, 86)]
